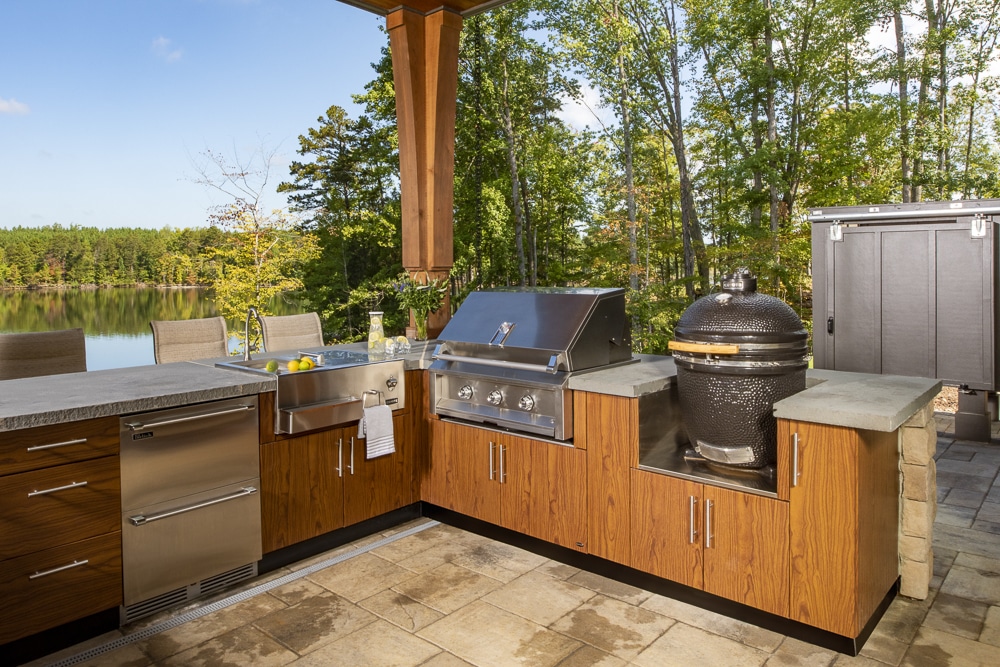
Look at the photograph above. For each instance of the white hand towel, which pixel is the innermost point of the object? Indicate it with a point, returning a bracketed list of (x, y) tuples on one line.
[(375, 428)]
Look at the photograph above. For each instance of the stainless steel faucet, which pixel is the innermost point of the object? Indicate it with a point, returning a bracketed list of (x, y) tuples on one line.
[(246, 333)]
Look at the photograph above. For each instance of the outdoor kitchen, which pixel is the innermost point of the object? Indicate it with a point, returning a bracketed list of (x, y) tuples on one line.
[(542, 430)]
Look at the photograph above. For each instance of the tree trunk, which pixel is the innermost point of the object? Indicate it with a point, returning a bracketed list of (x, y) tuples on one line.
[(903, 81), (515, 189)]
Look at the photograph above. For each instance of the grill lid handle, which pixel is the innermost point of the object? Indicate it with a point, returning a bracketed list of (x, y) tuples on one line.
[(502, 332)]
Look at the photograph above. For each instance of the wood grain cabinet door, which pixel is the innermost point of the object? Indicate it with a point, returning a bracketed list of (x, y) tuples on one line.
[(543, 490), (746, 548), (843, 516), (823, 511), (382, 484), (302, 488), (667, 522), (463, 471)]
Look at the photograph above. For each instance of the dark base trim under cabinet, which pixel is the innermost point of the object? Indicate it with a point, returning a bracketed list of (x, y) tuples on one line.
[(317, 545), (627, 575), (55, 639)]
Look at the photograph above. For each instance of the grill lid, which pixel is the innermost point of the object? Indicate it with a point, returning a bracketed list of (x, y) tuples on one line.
[(739, 313), (543, 328)]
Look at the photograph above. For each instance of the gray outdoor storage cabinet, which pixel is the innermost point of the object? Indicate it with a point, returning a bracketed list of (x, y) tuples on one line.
[(911, 289)]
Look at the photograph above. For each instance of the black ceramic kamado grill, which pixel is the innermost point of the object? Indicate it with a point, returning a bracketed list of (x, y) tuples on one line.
[(737, 353), (506, 356)]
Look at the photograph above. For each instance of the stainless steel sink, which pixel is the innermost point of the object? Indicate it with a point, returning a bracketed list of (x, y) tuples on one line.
[(332, 393)]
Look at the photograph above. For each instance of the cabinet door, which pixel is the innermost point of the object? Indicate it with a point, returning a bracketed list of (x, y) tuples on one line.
[(608, 428), (544, 490), (376, 486), (302, 487), (666, 527), (823, 528), (463, 471), (746, 548)]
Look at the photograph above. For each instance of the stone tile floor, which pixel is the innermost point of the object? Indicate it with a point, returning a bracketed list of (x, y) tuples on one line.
[(444, 597)]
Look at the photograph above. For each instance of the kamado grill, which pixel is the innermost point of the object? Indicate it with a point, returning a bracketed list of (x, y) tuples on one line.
[(507, 355), (737, 353)]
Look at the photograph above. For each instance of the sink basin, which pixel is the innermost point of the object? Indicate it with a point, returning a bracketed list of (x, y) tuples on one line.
[(326, 360), (318, 398)]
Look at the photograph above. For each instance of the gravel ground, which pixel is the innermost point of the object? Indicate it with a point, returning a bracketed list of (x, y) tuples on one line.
[(947, 400)]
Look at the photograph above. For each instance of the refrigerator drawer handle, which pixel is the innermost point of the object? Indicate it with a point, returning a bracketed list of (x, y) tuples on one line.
[(143, 519), (71, 485), (45, 573), (140, 426), (67, 443)]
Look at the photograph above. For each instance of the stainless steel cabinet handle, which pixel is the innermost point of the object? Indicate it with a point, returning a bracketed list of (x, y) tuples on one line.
[(795, 459), (45, 573), (708, 524), (67, 443), (340, 457), (352, 455), (492, 447), (692, 533), (142, 519), (503, 473), (140, 426), (71, 485)]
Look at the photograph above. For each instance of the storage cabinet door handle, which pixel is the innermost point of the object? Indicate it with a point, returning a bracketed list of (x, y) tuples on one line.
[(352, 455), (340, 457), (492, 474), (67, 443), (143, 519), (45, 573), (708, 524), (71, 485), (795, 459), (503, 473), (692, 533)]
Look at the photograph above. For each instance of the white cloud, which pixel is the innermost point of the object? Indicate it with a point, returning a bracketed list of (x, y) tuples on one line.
[(13, 107), (586, 111), (163, 49)]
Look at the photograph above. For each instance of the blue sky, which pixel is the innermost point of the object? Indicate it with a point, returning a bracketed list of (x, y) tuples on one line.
[(106, 105)]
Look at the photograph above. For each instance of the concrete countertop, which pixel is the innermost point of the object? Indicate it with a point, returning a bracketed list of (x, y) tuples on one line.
[(649, 374), (854, 400), (54, 399), (858, 400)]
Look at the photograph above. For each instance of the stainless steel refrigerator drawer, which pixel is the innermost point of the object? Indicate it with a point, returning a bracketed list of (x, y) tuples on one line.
[(176, 543)]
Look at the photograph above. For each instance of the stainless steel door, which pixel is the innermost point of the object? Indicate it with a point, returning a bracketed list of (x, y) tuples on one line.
[(180, 451), (173, 544)]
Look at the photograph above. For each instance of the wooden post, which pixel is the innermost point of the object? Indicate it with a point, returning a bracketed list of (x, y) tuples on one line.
[(425, 72)]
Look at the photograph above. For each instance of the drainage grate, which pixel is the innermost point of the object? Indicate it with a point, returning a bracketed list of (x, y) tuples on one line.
[(176, 621)]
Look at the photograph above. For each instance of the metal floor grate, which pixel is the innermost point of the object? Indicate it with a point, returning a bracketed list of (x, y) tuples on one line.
[(176, 621)]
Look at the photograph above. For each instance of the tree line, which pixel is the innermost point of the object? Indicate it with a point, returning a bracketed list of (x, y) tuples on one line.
[(725, 124), (55, 256)]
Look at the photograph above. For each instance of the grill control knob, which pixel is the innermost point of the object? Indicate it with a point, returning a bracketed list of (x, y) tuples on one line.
[(527, 403), (495, 397), (465, 393)]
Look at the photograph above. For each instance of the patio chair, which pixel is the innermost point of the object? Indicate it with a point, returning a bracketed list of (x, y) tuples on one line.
[(25, 355), (287, 332), (187, 340)]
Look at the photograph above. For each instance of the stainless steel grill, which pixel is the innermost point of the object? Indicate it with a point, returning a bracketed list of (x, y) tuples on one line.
[(506, 356)]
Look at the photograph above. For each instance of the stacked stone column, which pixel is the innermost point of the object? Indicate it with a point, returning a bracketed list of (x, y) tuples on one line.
[(918, 502)]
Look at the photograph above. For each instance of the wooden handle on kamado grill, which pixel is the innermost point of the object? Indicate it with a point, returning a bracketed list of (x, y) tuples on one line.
[(704, 348)]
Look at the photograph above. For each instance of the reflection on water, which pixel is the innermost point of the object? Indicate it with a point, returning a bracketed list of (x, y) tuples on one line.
[(115, 320)]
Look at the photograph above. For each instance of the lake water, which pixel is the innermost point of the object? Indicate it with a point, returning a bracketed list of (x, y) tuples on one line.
[(115, 320)]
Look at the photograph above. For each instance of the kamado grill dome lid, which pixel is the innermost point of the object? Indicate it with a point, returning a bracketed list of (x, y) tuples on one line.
[(739, 313)]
